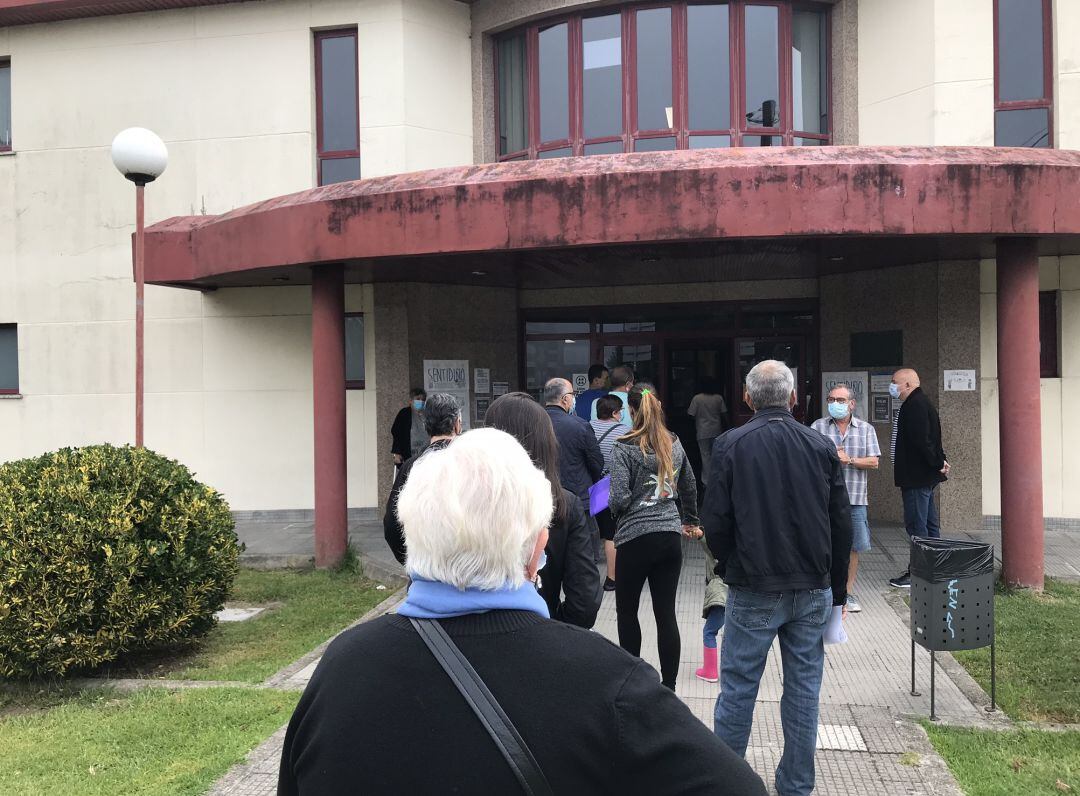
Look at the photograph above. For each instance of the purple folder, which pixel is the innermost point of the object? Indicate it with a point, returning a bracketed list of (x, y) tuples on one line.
[(599, 493)]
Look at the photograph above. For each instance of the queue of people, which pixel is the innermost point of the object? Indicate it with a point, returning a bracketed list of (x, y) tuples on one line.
[(498, 532)]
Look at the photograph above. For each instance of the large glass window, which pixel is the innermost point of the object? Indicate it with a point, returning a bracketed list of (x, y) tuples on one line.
[(5, 104), (1023, 84), (554, 55), (337, 106), (809, 76), (708, 64), (681, 75), (9, 359), (513, 95), (655, 106), (601, 82), (762, 45)]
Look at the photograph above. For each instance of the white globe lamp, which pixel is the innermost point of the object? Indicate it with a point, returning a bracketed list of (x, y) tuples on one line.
[(139, 155)]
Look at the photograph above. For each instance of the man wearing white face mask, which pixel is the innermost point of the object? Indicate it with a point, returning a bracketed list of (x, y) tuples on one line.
[(857, 446)]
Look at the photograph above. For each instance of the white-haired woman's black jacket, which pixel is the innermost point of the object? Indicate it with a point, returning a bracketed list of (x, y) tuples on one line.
[(381, 717), (570, 583)]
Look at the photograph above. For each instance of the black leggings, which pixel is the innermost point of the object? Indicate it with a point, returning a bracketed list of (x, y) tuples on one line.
[(656, 558)]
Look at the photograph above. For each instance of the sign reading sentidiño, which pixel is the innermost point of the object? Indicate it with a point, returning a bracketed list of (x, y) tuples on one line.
[(450, 376)]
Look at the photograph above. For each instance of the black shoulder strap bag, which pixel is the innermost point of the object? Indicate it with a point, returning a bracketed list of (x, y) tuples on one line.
[(480, 699)]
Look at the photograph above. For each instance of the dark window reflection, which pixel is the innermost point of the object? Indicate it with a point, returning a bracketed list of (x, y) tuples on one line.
[(5, 105), (564, 152), (354, 348), (340, 95), (654, 69), (709, 67), (709, 141), (340, 170), (1020, 50), (606, 148), (762, 66), (513, 97), (602, 75), (554, 85), (1027, 127), (654, 144)]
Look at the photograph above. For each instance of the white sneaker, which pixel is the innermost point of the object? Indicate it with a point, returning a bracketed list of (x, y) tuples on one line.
[(853, 604)]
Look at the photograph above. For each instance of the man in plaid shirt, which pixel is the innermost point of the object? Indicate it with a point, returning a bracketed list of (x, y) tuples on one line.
[(857, 446)]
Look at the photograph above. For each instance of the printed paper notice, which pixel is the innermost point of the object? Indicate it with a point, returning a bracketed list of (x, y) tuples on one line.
[(500, 388), (959, 381), (581, 383), (482, 380), (450, 376)]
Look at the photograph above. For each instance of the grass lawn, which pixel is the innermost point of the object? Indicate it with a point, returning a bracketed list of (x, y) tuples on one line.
[(312, 606), (1038, 654), (148, 743), (1023, 762)]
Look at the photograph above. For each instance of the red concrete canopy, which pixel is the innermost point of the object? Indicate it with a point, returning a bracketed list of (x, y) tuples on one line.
[(796, 194)]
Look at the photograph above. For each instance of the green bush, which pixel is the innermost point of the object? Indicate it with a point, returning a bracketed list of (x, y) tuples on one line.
[(105, 550)]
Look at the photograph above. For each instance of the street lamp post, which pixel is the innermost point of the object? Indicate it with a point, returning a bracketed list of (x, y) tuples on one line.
[(141, 157)]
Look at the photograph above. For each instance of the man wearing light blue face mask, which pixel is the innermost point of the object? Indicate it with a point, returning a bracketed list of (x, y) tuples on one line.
[(857, 446)]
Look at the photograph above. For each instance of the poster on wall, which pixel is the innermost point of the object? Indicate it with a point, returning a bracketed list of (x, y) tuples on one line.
[(450, 376), (959, 381), (879, 382), (500, 388), (580, 382), (482, 404), (881, 409), (856, 380), (482, 381)]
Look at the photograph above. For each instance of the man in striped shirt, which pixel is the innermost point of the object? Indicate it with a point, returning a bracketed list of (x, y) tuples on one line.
[(857, 446)]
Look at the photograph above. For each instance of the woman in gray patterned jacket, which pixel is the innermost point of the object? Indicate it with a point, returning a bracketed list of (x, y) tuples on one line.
[(649, 473)]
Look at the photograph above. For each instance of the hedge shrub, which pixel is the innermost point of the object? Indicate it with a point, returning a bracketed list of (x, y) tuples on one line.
[(104, 550)]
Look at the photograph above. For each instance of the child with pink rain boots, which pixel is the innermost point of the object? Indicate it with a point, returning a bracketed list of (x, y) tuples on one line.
[(712, 612)]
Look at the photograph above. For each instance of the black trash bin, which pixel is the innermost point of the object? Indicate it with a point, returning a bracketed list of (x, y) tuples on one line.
[(952, 601)]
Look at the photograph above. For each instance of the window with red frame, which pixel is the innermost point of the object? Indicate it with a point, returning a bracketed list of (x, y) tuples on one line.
[(9, 359), (666, 76), (354, 351), (5, 105), (1023, 73), (337, 106), (1048, 334)]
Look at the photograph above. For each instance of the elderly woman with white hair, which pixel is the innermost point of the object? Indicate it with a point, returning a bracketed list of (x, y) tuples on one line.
[(470, 688)]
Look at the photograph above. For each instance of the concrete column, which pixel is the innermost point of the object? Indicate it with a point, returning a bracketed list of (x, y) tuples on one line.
[(1020, 412), (328, 368)]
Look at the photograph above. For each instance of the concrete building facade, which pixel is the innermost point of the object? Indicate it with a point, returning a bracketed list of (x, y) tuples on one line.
[(236, 91)]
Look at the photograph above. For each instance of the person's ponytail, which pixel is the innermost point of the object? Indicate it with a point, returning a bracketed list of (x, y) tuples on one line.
[(650, 430)]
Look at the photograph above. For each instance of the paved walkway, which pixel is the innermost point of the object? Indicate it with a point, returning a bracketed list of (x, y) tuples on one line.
[(869, 741)]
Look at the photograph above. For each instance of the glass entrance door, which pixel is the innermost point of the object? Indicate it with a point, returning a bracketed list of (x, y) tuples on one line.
[(694, 367), (790, 351)]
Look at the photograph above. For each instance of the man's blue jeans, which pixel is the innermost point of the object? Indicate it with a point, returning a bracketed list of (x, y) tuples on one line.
[(920, 512), (752, 621)]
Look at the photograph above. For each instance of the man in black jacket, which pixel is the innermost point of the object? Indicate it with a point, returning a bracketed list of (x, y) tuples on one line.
[(581, 464), (919, 463), (442, 421), (778, 521)]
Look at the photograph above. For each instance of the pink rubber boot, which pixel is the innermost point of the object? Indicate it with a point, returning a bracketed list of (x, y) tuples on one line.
[(708, 671)]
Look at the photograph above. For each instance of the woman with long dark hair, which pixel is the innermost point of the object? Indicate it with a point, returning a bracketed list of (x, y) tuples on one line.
[(571, 568), (649, 473)]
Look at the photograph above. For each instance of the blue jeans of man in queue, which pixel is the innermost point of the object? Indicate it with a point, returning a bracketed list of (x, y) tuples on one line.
[(920, 512), (752, 621)]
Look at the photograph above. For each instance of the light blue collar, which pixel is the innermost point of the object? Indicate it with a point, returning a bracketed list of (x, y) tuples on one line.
[(429, 599)]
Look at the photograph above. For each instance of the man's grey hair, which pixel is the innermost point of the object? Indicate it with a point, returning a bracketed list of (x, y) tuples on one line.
[(441, 413), (555, 389), (770, 384), (843, 386)]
